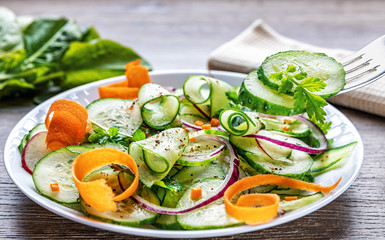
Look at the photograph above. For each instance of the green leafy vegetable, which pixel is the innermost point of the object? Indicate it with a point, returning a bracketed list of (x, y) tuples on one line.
[(100, 136), (49, 55), (85, 62)]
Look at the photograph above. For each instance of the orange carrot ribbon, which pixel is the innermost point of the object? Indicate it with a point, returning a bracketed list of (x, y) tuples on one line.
[(97, 193), (68, 124), (136, 76), (259, 208)]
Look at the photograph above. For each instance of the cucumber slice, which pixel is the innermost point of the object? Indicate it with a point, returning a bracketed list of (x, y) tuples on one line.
[(166, 146), (199, 152), (286, 125), (191, 118), (38, 128), (55, 167), (239, 123), (214, 96), (302, 201), (258, 97), (317, 65), (328, 160), (187, 176), (211, 216), (295, 164), (112, 112), (159, 107), (128, 212)]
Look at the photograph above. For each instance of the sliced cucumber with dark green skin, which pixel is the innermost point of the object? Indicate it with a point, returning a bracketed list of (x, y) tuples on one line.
[(239, 123), (38, 128), (128, 212), (317, 65), (296, 164), (211, 216), (166, 146), (113, 112), (215, 96), (187, 176), (260, 98), (301, 202), (159, 107), (55, 167), (199, 152), (329, 159)]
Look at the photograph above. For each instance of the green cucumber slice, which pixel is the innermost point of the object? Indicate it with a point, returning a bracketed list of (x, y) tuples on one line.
[(167, 145), (199, 152), (260, 98), (55, 167), (128, 212), (239, 123), (286, 125), (211, 216), (317, 65), (159, 107), (329, 159), (112, 112), (301, 202), (285, 162), (215, 95)]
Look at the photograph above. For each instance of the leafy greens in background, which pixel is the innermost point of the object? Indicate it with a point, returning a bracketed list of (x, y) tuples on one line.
[(42, 54)]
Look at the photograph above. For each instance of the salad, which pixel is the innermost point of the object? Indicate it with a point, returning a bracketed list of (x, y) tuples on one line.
[(200, 157)]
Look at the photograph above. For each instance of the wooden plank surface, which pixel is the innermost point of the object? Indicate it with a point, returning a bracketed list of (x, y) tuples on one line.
[(180, 35)]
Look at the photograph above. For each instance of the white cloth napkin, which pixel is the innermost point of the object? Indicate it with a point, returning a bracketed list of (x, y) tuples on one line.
[(246, 52)]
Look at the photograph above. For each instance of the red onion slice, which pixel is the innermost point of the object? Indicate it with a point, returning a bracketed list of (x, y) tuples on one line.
[(213, 153), (231, 177), (290, 142)]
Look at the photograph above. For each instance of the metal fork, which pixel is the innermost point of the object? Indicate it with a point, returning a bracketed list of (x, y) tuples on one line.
[(365, 66)]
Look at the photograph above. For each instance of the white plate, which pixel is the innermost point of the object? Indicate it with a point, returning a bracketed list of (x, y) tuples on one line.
[(342, 132)]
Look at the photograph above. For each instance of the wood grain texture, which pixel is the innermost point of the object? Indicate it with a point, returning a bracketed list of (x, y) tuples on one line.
[(181, 34)]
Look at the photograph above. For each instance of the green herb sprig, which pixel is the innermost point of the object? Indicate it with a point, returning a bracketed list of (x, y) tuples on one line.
[(304, 89), (100, 136)]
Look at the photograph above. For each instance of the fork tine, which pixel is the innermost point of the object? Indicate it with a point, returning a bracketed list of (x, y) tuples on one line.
[(352, 85), (351, 59), (357, 67)]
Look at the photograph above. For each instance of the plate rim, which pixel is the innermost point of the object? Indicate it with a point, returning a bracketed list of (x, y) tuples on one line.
[(74, 216)]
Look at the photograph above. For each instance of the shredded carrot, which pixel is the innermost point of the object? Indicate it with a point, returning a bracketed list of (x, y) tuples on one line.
[(291, 198), (266, 204), (206, 127), (198, 123), (285, 127), (55, 187), (214, 122), (185, 129), (193, 139), (196, 193), (68, 124), (136, 76), (97, 193)]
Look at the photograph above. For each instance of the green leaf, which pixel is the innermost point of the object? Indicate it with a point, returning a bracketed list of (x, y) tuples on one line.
[(88, 62), (10, 34), (313, 84), (138, 135), (113, 131), (300, 76), (90, 34), (13, 86), (276, 76), (290, 68), (286, 85), (46, 39)]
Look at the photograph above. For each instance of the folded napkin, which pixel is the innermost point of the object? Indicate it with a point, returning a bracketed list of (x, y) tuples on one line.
[(246, 52)]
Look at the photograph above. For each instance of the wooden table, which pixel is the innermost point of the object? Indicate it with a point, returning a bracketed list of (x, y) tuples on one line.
[(180, 35)]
